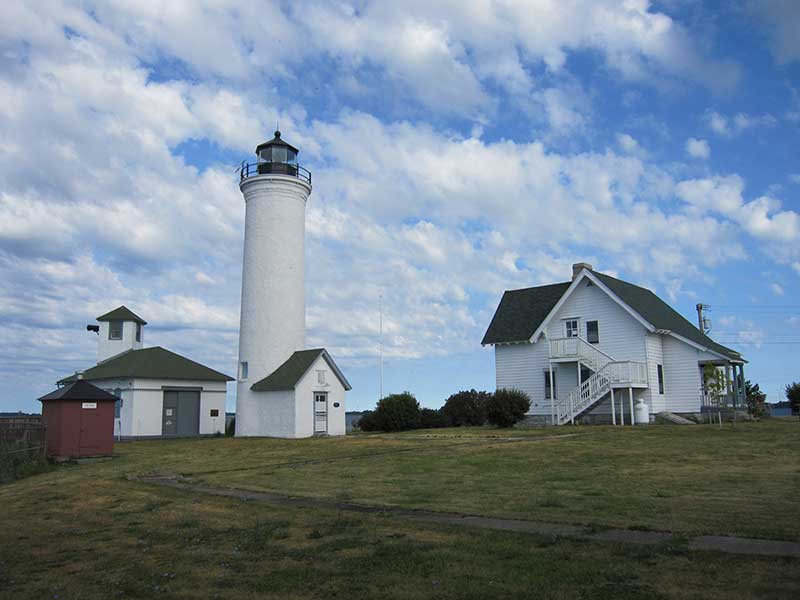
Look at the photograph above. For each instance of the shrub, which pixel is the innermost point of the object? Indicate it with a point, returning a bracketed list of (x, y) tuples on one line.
[(505, 407), (368, 421), (16, 462), (432, 419), (466, 408), (396, 412)]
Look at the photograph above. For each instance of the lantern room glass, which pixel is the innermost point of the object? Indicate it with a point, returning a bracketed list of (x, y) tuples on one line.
[(278, 154)]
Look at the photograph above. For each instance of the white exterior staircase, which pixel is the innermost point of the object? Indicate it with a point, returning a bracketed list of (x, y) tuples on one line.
[(608, 374)]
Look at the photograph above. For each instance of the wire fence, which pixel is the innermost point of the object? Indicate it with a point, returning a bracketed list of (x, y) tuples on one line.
[(22, 435)]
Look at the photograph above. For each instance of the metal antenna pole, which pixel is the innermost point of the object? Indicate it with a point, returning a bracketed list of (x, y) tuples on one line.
[(380, 342)]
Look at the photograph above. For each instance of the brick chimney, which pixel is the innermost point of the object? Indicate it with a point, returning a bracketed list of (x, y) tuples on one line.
[(578, 267)]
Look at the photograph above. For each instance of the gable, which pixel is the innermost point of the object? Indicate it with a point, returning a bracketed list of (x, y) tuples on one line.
[(590, 303), (288, 375)]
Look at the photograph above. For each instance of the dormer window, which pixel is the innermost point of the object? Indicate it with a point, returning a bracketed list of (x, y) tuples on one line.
[(138, 332), (115, 330)]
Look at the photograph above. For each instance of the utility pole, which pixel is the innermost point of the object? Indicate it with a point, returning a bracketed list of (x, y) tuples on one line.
[(380, 343), (703, 322)]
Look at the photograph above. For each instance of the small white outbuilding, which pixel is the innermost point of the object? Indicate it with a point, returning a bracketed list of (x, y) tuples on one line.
[(160, 393), (302, 397)]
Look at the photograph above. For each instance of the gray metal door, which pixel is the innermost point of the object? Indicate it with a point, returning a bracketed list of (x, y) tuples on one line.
[(188, 413), (169, 424), (320, 412), (181, 413)]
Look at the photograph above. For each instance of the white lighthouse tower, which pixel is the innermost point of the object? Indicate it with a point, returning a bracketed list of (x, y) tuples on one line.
[(283, 389)]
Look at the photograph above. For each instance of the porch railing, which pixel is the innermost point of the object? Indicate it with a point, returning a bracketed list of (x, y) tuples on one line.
[(577, 348), (597, 386)]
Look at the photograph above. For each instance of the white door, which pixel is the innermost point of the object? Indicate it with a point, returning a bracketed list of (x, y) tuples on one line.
[(320, 412)]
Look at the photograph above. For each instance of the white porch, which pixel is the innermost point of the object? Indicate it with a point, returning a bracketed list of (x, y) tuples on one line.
[(609, 377)]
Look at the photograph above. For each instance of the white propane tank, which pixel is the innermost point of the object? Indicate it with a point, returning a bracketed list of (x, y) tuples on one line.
[(642, 413)]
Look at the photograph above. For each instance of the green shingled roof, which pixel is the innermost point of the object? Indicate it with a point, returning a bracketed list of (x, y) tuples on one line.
[(522, 311), (660, 314), (289, 374), (150, 363), (123, 313)]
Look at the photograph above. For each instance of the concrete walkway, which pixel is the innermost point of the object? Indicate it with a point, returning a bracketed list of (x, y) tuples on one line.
[(731, 545)]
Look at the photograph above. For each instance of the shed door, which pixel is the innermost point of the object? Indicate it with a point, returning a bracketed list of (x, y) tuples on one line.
[(181, 413), (320, 412), (92, 431), (169, 425)]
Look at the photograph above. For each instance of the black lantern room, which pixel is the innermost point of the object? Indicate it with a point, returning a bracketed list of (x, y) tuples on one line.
[(276, 156)]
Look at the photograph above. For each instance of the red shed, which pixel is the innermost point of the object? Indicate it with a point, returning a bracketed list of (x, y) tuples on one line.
[(79, 418)]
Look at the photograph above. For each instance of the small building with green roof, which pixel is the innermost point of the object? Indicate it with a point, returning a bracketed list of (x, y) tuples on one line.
[(159, 392)]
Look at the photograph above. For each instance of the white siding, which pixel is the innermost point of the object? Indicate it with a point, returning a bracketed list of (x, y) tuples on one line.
[(304, 400), (146, 406), (681, 376), (621, 336), (522, 367), (655, 356)]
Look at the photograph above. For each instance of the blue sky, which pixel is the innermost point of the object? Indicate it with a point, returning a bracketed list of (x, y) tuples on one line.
[(458, 149)]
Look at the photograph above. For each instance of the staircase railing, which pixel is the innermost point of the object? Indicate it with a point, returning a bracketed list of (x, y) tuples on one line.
[(577, 348), (597, 386)]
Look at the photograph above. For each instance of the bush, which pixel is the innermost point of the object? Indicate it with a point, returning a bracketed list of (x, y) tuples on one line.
[(466, 408), (16, 463), (368, 421), (396, 412), (432, 419), (505, 408)]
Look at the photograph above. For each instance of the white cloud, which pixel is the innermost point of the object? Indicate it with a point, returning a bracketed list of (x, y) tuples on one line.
[(698, 148), (762, 217), (776, 288), (629, 144), (730, 126), (794, 177)]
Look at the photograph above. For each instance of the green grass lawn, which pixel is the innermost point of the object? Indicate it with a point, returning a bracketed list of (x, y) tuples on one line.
[(85, 531), (688, 480)]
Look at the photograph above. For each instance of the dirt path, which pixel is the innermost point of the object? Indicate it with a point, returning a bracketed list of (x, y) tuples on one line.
[(731, 545)]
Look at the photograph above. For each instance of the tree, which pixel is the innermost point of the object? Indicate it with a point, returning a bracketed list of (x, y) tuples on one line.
[(756, 400), (466, 408), (506, 408), (793, 396), (715, 384), (432, 419), (396, 412)]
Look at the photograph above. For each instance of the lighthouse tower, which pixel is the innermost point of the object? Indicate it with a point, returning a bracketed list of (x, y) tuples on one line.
[(282, 388)]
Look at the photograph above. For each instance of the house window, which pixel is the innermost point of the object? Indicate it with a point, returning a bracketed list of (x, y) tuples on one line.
[(243, 370), (118, 403), (571, 327), (592, 332), (586, 372), (660, 379), (138, 332), (547, 390), (115, 330), (321, 377)]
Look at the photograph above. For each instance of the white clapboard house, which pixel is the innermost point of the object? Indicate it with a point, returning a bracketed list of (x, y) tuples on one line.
[(161, 393), (594, 348)]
